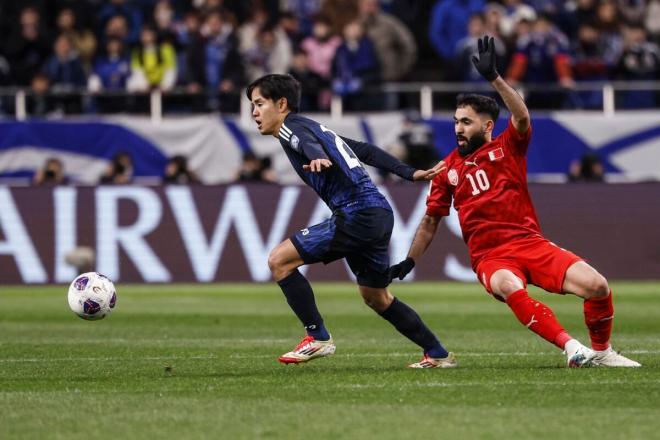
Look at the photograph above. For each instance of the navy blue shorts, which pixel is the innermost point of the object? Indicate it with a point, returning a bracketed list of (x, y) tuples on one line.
[(362, 237)]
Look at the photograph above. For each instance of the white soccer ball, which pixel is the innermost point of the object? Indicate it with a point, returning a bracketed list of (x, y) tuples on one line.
[(92, 296)]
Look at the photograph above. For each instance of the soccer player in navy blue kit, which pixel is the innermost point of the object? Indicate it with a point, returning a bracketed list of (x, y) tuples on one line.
[(359, 229)]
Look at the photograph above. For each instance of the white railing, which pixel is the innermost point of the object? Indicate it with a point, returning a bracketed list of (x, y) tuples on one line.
[(425, 90)]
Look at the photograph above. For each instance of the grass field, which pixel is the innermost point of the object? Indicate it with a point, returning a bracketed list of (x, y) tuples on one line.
[(199, 361)]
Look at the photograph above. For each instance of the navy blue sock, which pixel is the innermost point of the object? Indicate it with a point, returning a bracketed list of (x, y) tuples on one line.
[(410, 325), (300, 297)]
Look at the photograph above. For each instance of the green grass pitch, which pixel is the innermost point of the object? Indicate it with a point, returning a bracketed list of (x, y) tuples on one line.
[(199, 361)]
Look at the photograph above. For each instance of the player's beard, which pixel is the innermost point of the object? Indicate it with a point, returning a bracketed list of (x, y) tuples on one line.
[(472, 144)]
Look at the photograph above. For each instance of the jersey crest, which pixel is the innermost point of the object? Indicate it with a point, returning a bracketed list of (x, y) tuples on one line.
[(294, 143), (452, 175), (495, 154)]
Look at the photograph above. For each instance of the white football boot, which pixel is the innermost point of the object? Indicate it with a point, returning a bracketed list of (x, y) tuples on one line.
[(429, 362), (308, 349), (610, 358), (578, 355)]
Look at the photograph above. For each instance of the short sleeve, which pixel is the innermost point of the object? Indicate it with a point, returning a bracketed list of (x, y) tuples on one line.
[(438, 200), (515, 140)]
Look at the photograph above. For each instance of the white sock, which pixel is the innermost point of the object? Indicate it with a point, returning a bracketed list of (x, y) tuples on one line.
[(572, 346)]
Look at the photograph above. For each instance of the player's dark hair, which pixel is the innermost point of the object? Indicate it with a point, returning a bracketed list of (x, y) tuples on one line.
[(480, 104), (277, 86)]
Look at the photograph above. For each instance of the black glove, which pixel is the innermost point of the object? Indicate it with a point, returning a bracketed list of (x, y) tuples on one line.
[(402, 269), (485, 64)]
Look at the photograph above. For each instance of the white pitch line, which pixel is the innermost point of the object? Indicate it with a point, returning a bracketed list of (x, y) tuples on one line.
[(266, 356)]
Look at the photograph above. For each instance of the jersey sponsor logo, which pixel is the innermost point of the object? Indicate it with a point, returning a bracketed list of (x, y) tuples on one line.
[(452, 175), (496, 154), (295, 143)]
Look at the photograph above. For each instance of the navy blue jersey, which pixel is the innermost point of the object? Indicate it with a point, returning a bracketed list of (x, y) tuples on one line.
[(346, 185)]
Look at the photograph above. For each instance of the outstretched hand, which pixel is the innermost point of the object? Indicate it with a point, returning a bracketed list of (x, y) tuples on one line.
[(485, 64), (402, 269), (317, 165), (429, 174)]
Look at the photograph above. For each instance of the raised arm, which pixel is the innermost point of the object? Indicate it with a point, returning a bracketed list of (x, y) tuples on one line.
[(423, 238), (486, 65)]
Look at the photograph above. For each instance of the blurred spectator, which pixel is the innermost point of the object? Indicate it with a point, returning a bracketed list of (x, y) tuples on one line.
[(163, 20), (28, 48), (640, 61), (633, 11), (111, 72), (112, 69), (213, 61), (311, 83), (588, 64), (177, 172), (339, 13), (542, 58), (254, 169), (492, 17), (608, 24), (52, 173), (467, 48), (652, 20), (448, 25), (588, 168), (120, 170), (187, 33), (271, 53), (153, 64), (304, 11), (84, 41), (514, 12), (290, 25), (394, 43), (64, 68), (131, 13), (355, 67), (321, 47), (117, 27), (248, 31), (39, 103)]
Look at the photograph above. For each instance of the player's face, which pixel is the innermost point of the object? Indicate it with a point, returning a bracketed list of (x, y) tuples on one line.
[(266, 113), (472, 131)]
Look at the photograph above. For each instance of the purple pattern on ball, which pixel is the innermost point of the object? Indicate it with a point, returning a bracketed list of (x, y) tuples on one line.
[(91, 307), (81, 283)]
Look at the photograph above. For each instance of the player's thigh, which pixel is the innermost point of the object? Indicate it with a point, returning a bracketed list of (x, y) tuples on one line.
[(583, 280), (547, 264), (378, 298), (284, 259), (501, 277), (319, 243)]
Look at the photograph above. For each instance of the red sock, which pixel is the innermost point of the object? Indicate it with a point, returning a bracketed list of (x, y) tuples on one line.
[(598, 314), (537, 317)]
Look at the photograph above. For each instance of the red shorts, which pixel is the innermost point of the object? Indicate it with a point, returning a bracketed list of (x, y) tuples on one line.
[(534, 260)]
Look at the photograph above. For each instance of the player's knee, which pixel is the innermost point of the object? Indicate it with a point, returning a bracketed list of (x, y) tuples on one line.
[(275, 261), (597, 286), (377, 300), (505, 287)]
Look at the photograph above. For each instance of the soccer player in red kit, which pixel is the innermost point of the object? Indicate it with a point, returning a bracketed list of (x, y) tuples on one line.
[(487, 180)]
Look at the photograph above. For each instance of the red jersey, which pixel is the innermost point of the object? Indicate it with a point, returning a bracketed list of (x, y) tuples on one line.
[(489, 190)]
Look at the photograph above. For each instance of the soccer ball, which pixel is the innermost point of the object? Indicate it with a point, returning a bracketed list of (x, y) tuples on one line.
[(92, 296)]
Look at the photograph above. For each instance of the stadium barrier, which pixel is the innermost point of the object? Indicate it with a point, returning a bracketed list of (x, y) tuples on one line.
[(161, 234)]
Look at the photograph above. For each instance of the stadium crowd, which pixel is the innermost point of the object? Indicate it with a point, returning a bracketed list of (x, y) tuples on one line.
[(212, 48)]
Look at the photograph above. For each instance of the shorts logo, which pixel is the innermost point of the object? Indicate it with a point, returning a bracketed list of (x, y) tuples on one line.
[(304, 231), (452, 175), (294, 143)]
